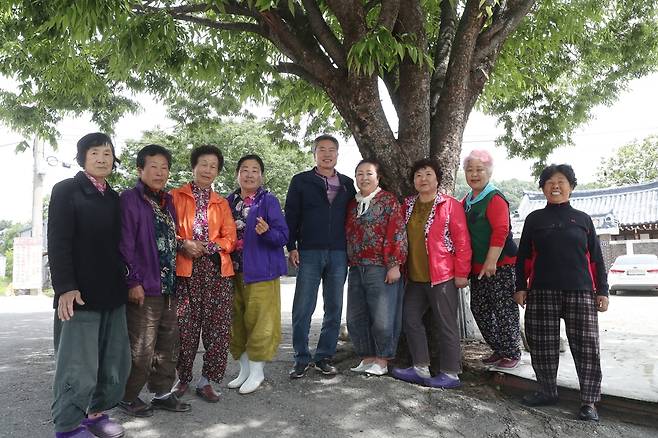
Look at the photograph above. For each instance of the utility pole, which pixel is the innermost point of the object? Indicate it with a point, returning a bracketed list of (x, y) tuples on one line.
[(38, 173)]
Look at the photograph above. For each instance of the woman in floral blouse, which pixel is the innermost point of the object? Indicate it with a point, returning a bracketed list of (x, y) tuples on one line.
[(376, 247), (205, 273)]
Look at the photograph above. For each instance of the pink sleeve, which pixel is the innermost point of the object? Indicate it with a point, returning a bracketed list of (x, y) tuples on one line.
[(460, 238)]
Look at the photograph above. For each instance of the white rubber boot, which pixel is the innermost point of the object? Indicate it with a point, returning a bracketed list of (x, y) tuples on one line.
[(244, 372), (255, 378)]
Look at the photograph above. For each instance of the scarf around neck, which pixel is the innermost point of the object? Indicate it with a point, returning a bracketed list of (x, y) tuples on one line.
[(363, 202), (470, 201)]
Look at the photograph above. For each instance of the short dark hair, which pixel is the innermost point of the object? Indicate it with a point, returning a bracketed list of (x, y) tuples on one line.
[(426, 162), (206, 149), (319, 138), (254, 157), (92, 140), (564, 169), (152, 150), (374, 162)]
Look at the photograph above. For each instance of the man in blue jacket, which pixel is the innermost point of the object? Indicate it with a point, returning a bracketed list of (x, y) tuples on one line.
[(315, 209)]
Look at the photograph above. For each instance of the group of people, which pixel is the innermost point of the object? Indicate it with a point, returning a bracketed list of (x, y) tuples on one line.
[(140, 277)]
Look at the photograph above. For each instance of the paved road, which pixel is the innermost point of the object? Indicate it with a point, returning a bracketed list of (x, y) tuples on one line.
[(342, 406)]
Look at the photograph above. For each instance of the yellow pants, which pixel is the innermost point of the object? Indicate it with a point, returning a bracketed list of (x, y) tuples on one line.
[(256, 326)]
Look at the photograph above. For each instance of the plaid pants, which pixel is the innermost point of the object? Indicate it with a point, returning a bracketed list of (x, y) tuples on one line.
[(544, 308)]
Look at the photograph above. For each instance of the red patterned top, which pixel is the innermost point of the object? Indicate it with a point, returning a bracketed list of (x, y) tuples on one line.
[(378, 236)]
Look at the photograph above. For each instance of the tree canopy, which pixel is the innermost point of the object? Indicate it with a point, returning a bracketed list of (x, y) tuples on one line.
[(540, 67), (234, 139), (633, 163)]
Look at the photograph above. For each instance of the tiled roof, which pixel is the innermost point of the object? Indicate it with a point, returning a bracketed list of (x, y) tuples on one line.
[(626, 206)]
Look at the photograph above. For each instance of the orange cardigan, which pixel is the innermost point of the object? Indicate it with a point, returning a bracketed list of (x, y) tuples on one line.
[(221, 228)]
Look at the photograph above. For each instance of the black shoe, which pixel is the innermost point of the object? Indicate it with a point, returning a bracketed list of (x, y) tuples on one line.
[(588, 413), (538, 399), (325, 367), (298, 371), (136, 408), (170, 403)]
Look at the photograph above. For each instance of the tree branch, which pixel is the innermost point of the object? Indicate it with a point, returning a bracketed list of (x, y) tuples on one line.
[(314, 62), (351, 17), (232, 26), (388, 13), (447, 30), (324, 34), (392, 80), (501, 28), (297, 70)]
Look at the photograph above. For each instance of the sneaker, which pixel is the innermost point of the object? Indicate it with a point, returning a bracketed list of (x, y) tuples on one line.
[(507, 364), (492, 360), (374, 369), (408, 375), (298, 371), (136, 408), (360, 368), (325, 367), (538, 399), (103, 427), (444, 381)]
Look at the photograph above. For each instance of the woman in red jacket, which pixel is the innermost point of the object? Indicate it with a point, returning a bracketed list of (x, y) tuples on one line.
[(438, 263)]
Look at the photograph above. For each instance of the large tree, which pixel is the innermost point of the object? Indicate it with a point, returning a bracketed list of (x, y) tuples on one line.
[(633, 163), (319, 64)]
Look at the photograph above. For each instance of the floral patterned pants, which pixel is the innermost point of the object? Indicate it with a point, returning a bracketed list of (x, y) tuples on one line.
[(496, 313), (204, 309)]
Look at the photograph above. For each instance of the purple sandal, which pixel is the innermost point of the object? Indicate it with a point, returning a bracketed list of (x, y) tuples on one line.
[(103, 427)]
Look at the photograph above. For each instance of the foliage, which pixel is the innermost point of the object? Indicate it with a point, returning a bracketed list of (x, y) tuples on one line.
[(235, 139), (317, 64), (633, 163), (574, 56)]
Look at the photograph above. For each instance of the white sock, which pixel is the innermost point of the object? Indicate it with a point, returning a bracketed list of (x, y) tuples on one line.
[(255, 378), (244, 372), (423, 371), (203, 381)]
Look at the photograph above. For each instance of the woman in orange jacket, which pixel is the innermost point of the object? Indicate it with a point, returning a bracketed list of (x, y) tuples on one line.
[(204, 273)]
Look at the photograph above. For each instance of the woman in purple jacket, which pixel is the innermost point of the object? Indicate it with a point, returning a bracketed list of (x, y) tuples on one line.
[(258, 261)]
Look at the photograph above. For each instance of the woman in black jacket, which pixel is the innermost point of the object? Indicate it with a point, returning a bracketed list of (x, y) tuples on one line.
[(560, 273), (92, 351)]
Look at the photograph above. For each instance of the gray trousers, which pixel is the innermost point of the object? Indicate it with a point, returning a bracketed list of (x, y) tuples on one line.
[(92, 362), (154, 345), (442, 300)]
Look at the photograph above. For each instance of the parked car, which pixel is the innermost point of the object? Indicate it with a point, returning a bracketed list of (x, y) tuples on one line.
[(634, 272)]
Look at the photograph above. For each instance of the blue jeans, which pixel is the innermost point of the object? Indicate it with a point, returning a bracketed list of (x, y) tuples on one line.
[(374, 311), (331, 268)]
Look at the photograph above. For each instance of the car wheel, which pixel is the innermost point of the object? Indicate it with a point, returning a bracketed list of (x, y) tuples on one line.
[(613, 292)]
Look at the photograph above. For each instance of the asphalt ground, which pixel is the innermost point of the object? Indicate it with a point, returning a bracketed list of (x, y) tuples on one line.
[(346, 405)]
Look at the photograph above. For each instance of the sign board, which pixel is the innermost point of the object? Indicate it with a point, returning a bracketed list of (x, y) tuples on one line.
[(28, 263)]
